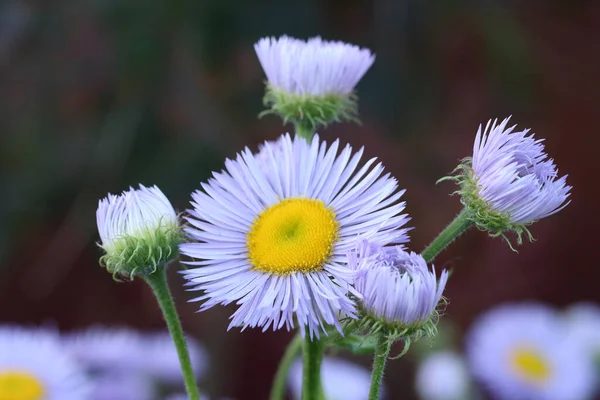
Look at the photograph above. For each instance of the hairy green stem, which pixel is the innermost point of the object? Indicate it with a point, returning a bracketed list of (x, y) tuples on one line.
[(291, 352), (312, 356), (457, 227), (382, 353), (158, 282), (304, 131)]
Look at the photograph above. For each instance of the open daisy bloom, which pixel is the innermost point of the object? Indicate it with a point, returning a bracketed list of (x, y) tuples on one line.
[(399, 294), (33, 366), (509, 182), (139, 231), (523, 352), (312, 82), (271, 232)]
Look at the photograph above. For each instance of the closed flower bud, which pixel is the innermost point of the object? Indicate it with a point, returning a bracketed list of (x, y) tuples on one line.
[(139, 231), (311, 83)]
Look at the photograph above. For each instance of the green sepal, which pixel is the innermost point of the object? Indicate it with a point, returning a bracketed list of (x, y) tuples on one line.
[(309, 111), (132, 255), (480, 211)]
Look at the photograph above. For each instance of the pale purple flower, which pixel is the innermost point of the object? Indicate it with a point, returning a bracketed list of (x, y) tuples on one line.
[(524, 352), (514, 175), (395, 286), (32, 361), (443, 375), (314, 67), (271, 233), (127, 352)]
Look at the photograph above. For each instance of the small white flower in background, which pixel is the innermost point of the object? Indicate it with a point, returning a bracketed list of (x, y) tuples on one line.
[(443, 376), (342, 380), (126, 351), (272, 232), (101, 349), (164, 366), (119, 386), (312, 82), (523, 351), (34, 366), (583, 326), (399, 293), (510, 182), (139, 231)]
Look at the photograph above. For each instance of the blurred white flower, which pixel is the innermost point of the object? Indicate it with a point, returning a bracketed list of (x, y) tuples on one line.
[(523, 351), (341, 380), (159, 348), (583, 325), (123, 350), (443, 376), (34, 366), (118, 386)]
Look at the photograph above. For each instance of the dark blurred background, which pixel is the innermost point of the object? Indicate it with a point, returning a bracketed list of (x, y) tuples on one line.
[(98, 95)]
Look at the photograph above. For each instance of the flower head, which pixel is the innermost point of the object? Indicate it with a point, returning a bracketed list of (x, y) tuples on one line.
[(139, 231), (399, 294), (126, 352), (312, 82), (443, 376), (33, 366), (583, 326), (523, 352), (271, 232), (342, 380), (509, 182)]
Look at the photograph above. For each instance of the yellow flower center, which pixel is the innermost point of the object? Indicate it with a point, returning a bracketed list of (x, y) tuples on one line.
[(294, 235), (530, 365), (20, 385)]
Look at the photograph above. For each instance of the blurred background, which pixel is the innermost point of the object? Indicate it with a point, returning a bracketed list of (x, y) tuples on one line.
[(100, 95)]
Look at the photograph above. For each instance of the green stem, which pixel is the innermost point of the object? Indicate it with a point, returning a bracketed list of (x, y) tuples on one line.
[(291, 352), (304, 131), (312, 356), (158, 282), (457, 227), (382, 353)]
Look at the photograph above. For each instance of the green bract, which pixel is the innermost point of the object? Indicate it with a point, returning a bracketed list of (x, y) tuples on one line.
[(370, 324), (310, 111), (480, 212), (143, 253)]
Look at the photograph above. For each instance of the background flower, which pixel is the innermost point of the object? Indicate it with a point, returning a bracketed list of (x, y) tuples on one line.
[(34, 366), (522, 351), (342, 380), (443, 375)]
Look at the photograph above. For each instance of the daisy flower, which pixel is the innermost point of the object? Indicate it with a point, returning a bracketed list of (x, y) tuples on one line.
[(443, 376), (119, 386), (398, 292), (583, 325), (523, 352), (342, 380), (33, 366), (273, 237), (127, 352), (139, 231), (312, 82), (510, 182)]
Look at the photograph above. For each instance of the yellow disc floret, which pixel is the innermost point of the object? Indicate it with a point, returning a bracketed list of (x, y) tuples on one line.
[(530, 365), (294, 235), (20, 385)]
